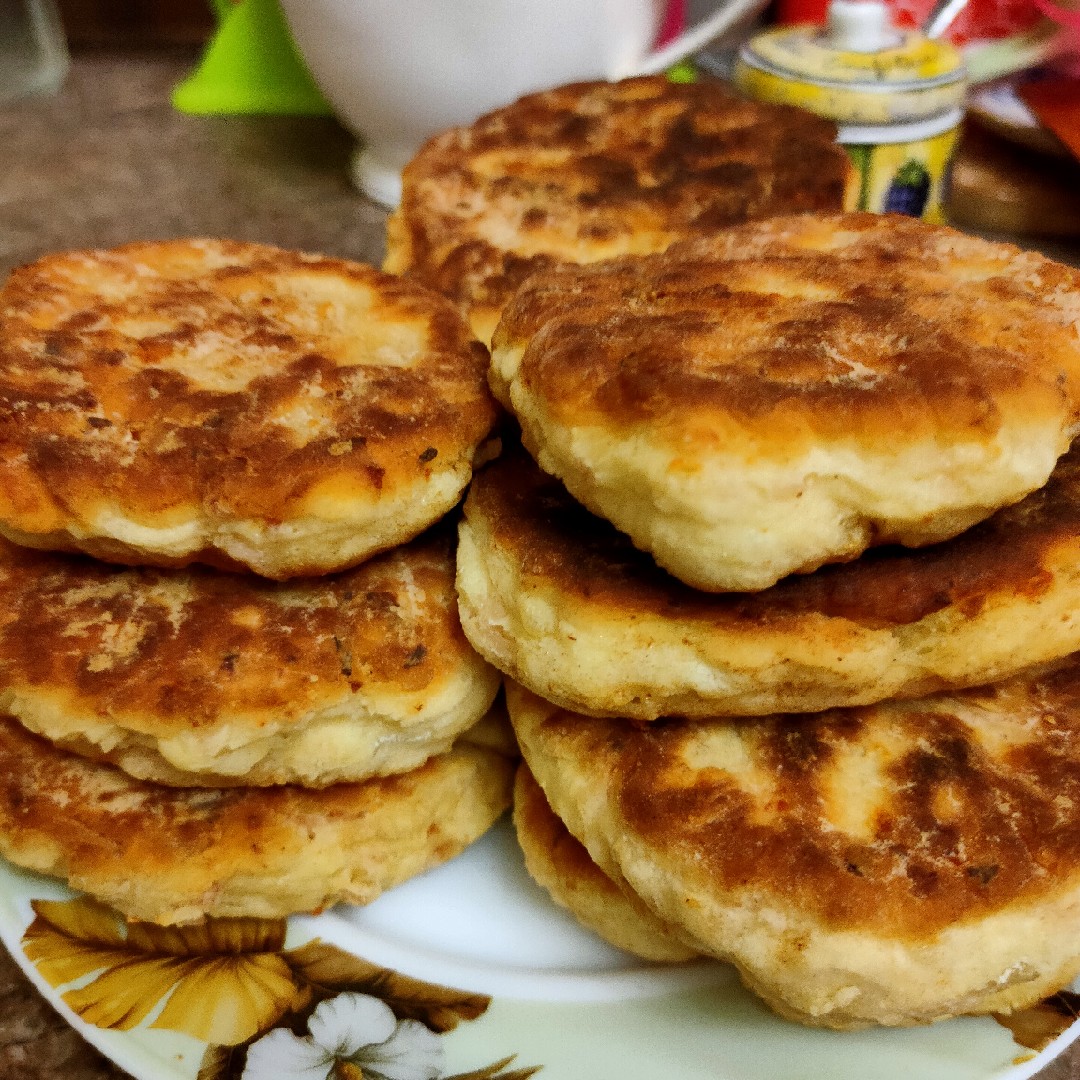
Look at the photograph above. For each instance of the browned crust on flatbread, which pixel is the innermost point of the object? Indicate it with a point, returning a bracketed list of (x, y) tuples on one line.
[(559, 863), (98, 406), (976, 811), (791, 333), (564, 856), (850, 633), (169, 855), (163, 654), (596, 169)]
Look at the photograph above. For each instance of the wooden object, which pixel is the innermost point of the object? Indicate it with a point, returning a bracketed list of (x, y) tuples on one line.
[(1001, 187)]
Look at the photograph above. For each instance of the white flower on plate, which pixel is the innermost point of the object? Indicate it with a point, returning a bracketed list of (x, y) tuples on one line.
[(348, 1030)]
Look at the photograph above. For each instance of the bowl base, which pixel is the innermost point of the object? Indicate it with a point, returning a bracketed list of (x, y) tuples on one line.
[(374, 178)]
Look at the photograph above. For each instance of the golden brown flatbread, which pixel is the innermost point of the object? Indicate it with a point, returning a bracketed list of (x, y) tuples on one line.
[(197, 677), (597, 169), (892, 864), (172, 855), (230, 403), (564, 603), (794, 391)]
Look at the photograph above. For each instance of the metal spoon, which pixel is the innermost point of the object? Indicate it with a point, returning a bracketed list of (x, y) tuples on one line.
[(941, 16)]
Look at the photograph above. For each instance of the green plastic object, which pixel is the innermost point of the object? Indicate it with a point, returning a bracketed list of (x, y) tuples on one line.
[(250, 66), (683, 72)]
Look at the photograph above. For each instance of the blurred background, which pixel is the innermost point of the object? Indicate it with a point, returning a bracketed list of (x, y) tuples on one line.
[(127, 23), (1013, 174)]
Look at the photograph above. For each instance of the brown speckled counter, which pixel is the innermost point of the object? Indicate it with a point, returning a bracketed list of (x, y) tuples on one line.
[(109, 161)]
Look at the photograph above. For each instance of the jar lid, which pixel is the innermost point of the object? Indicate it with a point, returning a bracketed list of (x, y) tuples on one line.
[(856, 69)]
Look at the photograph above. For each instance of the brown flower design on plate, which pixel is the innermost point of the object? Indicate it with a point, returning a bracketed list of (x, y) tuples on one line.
[(267, 1013)]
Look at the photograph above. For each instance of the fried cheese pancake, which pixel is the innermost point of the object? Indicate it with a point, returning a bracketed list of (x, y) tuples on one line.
[(193, 677), (593, 170), (561, 866), (791, 392), (564, 603), (172, 855), (230, 403), (892, 864)]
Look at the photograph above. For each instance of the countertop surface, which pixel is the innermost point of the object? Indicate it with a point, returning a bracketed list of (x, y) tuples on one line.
[(109, 161)]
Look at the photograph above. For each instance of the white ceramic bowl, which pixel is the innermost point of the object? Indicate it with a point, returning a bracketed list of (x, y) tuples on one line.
[(397, 71)]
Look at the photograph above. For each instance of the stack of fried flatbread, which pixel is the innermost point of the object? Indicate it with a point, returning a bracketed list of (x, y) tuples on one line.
[(786, 576), (232, 676), (784, 572)]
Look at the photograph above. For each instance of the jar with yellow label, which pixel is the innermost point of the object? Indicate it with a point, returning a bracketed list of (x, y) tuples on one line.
[(896, 96)]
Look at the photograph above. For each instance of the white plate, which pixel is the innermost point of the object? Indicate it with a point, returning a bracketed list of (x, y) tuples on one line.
[(561, 1001)]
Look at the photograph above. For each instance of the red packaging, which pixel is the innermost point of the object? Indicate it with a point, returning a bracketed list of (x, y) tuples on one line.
[(674, 22), (981, 20)]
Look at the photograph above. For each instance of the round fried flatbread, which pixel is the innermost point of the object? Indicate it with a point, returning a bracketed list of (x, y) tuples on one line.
[(564, 603), (893, 864), (172, 855), (561, 865), (197, 677), (593, 170), (791, 392), (230, 403)]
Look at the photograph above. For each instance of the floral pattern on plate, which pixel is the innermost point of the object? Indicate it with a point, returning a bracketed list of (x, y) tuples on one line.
[(266, 1012), (535, 995)]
